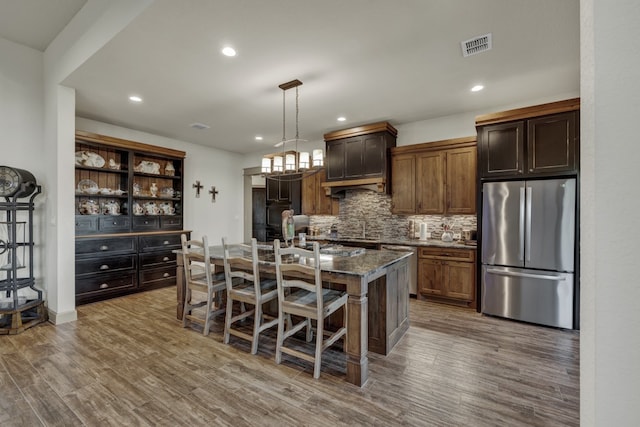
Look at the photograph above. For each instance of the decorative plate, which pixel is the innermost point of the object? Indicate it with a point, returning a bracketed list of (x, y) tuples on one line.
[(167, 192), (88, 187), (89, 158), (146, 166)]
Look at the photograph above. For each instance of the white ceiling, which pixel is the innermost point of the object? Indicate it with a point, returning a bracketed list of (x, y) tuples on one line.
[(369, 60), (35, 23)]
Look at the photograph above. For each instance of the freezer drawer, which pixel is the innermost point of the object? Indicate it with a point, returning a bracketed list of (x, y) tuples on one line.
[(541, 297)]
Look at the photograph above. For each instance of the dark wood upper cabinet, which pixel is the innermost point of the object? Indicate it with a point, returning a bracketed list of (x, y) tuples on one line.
[(501, 149), (285, 190), (551, 143), (359, 153), (534, 141)]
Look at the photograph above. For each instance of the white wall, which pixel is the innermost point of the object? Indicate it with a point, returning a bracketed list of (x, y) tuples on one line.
[(22, 129), (211, 167), (609, 339), (458, 125)]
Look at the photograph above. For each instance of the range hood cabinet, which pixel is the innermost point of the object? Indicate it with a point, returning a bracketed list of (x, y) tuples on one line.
[(359, 158)]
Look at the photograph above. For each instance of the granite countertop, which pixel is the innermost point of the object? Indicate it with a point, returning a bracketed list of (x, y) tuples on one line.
[(362, 264), (398, 241)]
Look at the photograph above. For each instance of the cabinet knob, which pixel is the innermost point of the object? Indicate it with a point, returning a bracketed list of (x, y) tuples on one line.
[(104, 267), (166, 242), (115, 222), (104, 286), (104, 247), (146, 222), (166, 258), (166, 275)]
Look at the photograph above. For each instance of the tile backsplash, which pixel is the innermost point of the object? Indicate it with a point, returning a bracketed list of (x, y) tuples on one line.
[(374, 210)]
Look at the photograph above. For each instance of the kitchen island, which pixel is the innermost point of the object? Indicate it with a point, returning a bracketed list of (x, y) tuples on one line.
[(377, 307)]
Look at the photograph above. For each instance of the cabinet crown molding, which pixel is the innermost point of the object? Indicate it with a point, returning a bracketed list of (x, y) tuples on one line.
[(361, 130), (467, 141), (128, 145), (528, 112)]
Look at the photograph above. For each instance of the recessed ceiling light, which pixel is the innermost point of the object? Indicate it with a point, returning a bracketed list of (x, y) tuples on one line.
[(258, 138), (135, 98), (228, 51), (342, 119), (477, 88)]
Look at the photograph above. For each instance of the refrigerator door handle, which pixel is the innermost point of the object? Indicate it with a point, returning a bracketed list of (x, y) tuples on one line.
[(528, 229), (560, 278), (521, 226)]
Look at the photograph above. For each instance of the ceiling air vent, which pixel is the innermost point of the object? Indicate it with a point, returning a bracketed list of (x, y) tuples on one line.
[(476, 45), (199, 126)]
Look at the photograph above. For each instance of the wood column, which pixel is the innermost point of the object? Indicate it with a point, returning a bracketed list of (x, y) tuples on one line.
[(357, 332)]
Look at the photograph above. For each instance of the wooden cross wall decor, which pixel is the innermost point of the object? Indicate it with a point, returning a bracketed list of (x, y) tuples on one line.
[(213, 193), (198, 187)]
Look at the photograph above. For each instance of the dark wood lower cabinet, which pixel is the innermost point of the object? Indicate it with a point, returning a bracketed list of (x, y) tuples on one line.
[(107, 267)]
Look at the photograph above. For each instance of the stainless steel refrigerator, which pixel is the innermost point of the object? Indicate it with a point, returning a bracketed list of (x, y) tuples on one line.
[(528, 250)]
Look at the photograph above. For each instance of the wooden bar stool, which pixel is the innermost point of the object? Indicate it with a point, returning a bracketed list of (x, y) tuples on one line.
[(300, 293), (245, 285), (200, 277)]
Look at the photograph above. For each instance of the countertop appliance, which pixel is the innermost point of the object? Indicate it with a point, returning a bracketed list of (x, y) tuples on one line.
[(528, 250), (413, 264)]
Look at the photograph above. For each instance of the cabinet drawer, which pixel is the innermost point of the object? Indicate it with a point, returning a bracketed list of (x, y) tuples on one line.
[(86, 224), (157, 259), (105, 264), (114, 223), (106, 283), (165, 241), (109, 245), (165, 276), (141, 223), (452, 254), (171, 222)]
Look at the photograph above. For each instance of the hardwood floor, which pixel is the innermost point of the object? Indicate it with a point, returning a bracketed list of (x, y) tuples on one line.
[(128, 361)]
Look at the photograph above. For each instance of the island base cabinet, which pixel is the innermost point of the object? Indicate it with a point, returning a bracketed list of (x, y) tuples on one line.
[(389, 308), (447, 275)]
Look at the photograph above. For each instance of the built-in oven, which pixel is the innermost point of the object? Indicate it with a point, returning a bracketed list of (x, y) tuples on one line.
[(413, 264)]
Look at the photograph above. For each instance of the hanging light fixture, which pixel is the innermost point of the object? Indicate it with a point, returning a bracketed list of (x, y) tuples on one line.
[(291, 161)]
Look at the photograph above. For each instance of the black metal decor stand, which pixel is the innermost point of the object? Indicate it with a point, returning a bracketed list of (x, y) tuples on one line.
[(18, 313)]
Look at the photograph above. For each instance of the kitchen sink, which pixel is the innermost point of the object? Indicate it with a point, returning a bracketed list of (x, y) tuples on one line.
[(340, 250)]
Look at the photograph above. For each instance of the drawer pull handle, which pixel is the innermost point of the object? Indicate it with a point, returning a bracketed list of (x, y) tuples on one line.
[(166, 275), (115, 222), (104, 248), (166, 242), (104, 267), (166, 258), (146, 222), (104, 286)]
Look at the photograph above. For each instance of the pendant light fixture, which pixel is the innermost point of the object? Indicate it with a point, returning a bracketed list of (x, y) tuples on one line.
[(289, 162)]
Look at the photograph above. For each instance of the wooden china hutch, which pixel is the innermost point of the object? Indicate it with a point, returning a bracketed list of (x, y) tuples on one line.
[(129, 207)]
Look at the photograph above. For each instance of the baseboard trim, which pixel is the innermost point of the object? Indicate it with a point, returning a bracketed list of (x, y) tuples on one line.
[(60, 318)]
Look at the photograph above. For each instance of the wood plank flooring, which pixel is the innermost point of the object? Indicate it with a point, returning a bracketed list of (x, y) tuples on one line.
[(128, 361)]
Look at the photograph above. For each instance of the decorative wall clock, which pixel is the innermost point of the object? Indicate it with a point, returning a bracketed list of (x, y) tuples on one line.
[(12, 180)]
